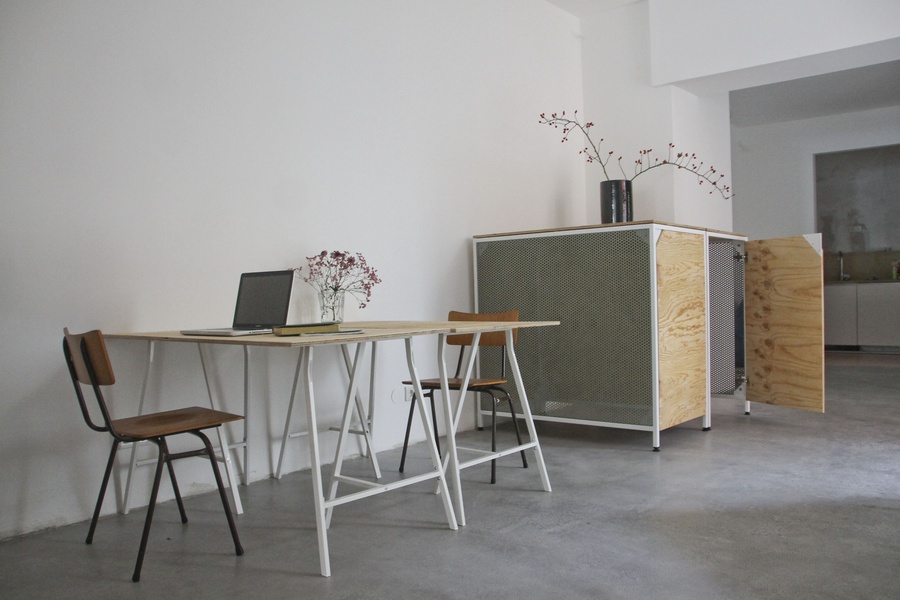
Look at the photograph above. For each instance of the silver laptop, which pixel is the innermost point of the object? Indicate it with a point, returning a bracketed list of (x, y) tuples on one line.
[(262, 303)]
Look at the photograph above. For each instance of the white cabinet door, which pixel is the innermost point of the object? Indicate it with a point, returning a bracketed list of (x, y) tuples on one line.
[(878, 317), (840, 315)]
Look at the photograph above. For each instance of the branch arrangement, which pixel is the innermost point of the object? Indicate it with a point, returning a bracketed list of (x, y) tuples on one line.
[(644, 163)]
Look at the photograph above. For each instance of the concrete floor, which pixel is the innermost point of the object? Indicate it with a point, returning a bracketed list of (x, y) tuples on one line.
[(780, 504)]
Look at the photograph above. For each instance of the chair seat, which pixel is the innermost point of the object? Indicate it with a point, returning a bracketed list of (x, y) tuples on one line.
[(171, 422), (454, 383)]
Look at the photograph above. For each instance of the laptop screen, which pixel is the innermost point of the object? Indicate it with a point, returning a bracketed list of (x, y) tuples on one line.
[(263, 299)]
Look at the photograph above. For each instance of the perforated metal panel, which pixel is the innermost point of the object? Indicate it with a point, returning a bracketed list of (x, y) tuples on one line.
[(726, 316), (591, 282)]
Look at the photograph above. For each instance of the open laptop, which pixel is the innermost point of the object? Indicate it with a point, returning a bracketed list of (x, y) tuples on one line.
[(262, 303)]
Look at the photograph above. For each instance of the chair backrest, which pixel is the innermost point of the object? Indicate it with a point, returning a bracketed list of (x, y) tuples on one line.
[(491, 338), (89, 365)]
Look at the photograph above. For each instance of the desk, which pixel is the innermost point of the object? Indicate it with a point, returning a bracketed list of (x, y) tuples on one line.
[(372, 332)]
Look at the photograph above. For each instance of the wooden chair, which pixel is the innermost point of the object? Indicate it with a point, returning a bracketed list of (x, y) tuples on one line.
[(89, 365), (493, 387)]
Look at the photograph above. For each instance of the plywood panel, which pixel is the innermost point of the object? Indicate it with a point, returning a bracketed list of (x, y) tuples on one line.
[(784, 310), (680, 276)]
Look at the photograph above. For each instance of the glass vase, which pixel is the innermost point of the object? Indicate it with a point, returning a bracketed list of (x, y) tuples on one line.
[(332, 305)]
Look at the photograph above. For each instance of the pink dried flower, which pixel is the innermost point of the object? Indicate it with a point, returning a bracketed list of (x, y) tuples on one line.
[(341, 271)]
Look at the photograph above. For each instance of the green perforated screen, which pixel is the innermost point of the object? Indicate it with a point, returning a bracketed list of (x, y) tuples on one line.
[(597, 365)]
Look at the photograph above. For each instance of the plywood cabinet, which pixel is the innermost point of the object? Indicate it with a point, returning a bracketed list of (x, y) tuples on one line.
[(639, 330)]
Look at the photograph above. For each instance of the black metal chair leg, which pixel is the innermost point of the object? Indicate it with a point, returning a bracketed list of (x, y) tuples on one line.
[(437, 440), (493, 437), (516, 428), (150, 507), (103, 486), (229, 516), (412, 410), (174, 481)]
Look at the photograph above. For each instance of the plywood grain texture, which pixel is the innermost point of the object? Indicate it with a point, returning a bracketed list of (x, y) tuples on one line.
[(784, 311), (681, 277)]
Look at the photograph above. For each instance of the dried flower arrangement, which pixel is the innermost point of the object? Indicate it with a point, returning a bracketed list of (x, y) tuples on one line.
[(338, 272)]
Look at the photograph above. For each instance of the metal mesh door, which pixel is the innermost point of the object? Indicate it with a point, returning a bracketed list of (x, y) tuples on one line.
[(726, 315), (597, 365)]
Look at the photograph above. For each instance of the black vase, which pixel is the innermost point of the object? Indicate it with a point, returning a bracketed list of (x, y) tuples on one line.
[(615, 201)]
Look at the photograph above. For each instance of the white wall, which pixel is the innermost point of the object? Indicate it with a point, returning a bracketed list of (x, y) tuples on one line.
[(151, 152), (774, 166), (699, 38), (710, 47), (724, 46), (628, 114), (632, 115), (700, 126)]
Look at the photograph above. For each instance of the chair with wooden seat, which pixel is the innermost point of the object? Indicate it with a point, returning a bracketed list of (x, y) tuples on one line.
[(89, 366), (493, 387)]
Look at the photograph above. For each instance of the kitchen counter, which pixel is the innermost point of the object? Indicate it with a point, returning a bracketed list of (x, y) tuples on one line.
[(862, 315)]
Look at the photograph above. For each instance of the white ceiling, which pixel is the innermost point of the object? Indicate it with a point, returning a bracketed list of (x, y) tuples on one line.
[(850, 90), (580, 8)]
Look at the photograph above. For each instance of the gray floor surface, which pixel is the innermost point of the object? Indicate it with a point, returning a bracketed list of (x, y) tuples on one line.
[(779, 504)]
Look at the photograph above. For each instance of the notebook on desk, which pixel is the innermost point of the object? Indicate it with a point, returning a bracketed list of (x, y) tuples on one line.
[(262, 303)]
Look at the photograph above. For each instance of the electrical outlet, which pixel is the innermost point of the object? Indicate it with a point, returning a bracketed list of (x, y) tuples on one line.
[(407, 393)]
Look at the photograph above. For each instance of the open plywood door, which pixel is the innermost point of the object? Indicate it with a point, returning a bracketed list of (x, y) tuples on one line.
[(785, 322)]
